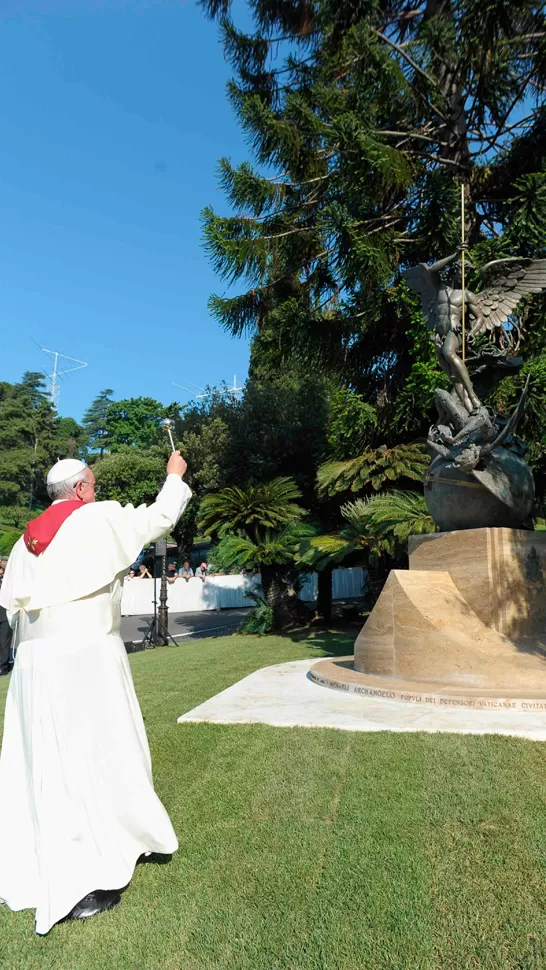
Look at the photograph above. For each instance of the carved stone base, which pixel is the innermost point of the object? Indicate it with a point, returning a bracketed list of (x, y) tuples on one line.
[(499, 572), (440, 629)]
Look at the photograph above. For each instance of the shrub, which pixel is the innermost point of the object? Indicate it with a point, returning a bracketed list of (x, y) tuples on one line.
[(260, 619), (7, 542)]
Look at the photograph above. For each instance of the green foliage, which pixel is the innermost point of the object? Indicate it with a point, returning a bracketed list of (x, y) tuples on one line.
[(260, 527), (373, 528), (508, 392), (32, 437), (279, 428), (95, 421), (7, 542), (376, 468), (204, 439), (256, 510), (14, 517), (131, 475), (185, 531), (134, 422), (271, 547), (352, 422), (532, 427), (527, 229), (260, 618), (275, 553), (357, 172), (393, 514), (202, 434), (415, 400)]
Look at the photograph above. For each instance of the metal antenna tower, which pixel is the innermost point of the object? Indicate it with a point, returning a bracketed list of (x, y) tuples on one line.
[(55, 390), (188, 390), (233, 390)]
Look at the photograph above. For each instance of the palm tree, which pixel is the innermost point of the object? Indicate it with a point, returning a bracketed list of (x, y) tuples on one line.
[(269, 505), (259, 526), (376, 527), (395, 514), (374, 469)]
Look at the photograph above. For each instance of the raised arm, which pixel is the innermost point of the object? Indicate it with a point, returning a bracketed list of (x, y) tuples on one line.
[(442, 263), (155, 521)]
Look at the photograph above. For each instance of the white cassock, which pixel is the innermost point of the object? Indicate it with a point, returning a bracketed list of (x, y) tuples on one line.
[(77, 802)]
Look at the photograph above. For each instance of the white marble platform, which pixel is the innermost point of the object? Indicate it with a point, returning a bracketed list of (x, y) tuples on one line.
[(284, 696)]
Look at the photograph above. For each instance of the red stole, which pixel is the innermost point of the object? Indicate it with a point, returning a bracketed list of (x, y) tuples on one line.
[(41, 531)]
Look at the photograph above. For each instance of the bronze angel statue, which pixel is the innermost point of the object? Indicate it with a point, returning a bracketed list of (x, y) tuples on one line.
[(506, 282)]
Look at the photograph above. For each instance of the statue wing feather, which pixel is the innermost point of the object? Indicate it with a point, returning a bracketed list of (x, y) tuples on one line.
[(418, 278), (506, 282)]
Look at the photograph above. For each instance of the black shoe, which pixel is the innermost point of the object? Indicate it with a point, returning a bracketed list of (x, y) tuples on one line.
[(93, 903), (159, 858), (5, 669)]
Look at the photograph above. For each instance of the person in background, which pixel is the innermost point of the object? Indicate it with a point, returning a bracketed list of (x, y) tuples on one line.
[(5, 636), (144, 572), (130, 575), (172, 574), (202, 571), (185, 571)]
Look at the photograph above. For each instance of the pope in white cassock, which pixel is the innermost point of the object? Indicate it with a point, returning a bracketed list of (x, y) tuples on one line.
[(76, 792)]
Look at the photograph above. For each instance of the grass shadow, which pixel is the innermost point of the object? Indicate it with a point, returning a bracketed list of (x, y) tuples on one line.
[(328, 642)]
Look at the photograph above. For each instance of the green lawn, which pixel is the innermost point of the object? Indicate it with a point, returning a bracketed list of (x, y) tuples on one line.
[(316, 849)]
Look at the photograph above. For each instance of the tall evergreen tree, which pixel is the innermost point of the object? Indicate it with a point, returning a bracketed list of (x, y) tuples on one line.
[(32, 437), (364, 118), (94, 421)]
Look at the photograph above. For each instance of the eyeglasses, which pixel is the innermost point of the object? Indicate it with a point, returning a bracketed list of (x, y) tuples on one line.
[(96, 488)]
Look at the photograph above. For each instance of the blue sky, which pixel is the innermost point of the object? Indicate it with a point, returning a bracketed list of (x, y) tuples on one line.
[(114, 117)]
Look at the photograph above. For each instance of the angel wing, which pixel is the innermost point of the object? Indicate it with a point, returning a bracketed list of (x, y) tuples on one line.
[(507, 281), (419, 280)]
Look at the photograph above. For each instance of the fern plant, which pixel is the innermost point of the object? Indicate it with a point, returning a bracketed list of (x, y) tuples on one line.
[(377, 526), (260, 618), (376, 467), (396, 515)]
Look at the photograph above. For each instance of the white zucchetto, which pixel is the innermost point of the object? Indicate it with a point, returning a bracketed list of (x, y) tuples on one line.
[(65, 468)]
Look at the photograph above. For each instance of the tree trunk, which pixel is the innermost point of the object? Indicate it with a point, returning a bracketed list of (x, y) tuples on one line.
[(276, 593), (324, 595)]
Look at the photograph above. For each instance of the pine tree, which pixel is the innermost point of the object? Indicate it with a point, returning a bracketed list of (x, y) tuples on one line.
[(364, 119), (95, 419), (32, 437)]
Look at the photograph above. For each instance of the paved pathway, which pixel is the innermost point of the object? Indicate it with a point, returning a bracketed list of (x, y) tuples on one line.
[(185, 626), (284, 695)]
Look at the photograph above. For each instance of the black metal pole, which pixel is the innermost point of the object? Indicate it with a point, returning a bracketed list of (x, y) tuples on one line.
[(163, 614), (156, 639)]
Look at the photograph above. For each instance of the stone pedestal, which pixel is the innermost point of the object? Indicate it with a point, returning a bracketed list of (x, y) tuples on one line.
[(467, 621), (499, 572)]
